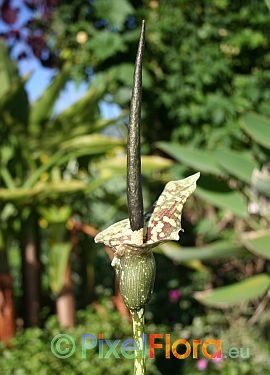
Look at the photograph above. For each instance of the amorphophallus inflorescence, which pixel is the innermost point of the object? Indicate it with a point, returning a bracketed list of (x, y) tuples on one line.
[(133, 239)]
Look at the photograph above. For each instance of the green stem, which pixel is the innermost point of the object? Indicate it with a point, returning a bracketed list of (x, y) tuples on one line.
[(138, 331)]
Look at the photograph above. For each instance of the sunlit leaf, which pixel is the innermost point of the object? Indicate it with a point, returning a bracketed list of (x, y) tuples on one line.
[(257, 127), (58, 260), (94, 143), (117, 164), (216, 250), (14, 105), (42, 109), (258, 242), (8, 70), (220, 195), (42, 190), (106, 44), (86, 108), (201, 160), (116, 12), (261, 181), (236, 164), (243, 291), (54, 214)]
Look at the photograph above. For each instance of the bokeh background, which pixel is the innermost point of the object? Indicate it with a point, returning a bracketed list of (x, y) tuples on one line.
[(66, 72)]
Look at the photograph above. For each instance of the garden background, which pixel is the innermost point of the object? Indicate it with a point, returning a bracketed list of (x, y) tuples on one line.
[(206, 96)]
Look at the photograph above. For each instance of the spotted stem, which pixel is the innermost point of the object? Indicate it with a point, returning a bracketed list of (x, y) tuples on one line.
[(138, 331)]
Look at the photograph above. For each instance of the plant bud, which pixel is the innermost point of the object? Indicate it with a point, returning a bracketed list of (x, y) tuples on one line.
[(136, 274)]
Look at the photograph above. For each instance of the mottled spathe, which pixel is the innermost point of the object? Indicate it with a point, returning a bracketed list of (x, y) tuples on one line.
[(161, 223)]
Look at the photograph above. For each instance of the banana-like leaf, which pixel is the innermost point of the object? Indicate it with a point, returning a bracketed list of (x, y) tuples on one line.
[(49, 190), (216, 250), (55, 136), (42, 109), (14, 105), (220, 195), (58, 260), (8, 70), (242, 291), (93, 144), (42, 190), (201, 160), (7, 178), (117, 164), (258, 128), (237, 164), (86, 108), (54, 214), (258, 242)]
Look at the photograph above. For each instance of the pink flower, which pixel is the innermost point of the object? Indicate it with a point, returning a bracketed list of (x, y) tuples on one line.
[(216, 360), (202, 364), (174, 295)]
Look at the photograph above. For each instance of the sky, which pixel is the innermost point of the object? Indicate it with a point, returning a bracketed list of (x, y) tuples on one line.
[(40, 77)]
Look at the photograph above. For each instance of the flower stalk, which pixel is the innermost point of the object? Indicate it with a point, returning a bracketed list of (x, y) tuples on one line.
[(138, 331), (135, 210), (134, 238), (134, 188)]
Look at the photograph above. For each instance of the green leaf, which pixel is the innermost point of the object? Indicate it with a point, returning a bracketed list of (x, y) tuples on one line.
[(216, 250), (58, 260), (220, 195), (54, 214), (201, 160), (86, 108), (91, 144), (7, 178), (243, 291), (237, 164), (42, 109), (116, 11), (106, 44), (8, 71), (14, 106), (94, 144), (123, 73), (258, 242), (42, 190), (117, 164), (261, 181), (258, 128), (13, 97), (50, 190)]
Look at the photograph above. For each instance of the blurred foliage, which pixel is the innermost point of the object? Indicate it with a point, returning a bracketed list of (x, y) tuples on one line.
[(205, 108), (35, 343), (204, 64), (50, 162), (237, 184)]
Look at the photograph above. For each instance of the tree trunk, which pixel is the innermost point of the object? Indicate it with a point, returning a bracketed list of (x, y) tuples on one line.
[(31, 273), (65, 304), (7, 307)]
